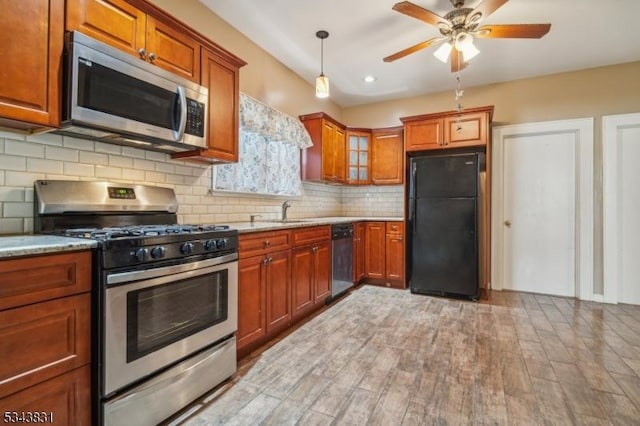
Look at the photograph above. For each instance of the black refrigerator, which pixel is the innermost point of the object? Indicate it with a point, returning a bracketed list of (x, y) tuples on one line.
[(445, 220)]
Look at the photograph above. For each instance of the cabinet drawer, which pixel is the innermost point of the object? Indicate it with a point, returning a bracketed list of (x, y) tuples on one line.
[(312, 234), (263, 242), (34, 279), (43, 340), (395, 228), (63, 400)]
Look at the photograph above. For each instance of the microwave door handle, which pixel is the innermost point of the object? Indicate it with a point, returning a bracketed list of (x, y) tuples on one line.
[(182, 105)]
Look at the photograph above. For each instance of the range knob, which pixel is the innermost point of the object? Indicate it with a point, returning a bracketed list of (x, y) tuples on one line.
[(222, 242), (210, 245), (158, 252), (140, 254), (186, 248)]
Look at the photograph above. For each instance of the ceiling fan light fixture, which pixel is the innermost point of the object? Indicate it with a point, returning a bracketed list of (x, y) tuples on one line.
[(464, 44), (322, 82), (443, 52)]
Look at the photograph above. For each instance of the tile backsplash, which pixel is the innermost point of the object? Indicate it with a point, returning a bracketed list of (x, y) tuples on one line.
[(26, 158)]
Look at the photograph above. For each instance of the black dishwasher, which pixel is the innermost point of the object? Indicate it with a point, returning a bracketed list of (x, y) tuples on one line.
[(342, 258)]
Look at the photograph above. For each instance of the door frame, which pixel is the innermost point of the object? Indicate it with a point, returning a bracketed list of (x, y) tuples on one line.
[(611, 124), (583, 132)]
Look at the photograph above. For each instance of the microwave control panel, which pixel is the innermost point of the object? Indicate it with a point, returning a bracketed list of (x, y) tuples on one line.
[(195, 118)]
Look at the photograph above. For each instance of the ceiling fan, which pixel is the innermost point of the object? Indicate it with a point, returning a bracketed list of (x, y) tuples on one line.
[(459, 27)]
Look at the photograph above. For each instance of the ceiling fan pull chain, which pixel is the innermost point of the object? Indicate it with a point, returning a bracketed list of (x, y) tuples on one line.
[(459, 94)]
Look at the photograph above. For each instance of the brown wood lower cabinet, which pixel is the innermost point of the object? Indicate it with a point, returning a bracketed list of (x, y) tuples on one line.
[(384, 254), (45, 335), (62, 400), (264, 287), (374, 258), (359, 271), (310, 270)]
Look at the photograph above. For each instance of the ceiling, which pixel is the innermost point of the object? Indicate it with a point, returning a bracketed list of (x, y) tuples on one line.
[(584, 34)]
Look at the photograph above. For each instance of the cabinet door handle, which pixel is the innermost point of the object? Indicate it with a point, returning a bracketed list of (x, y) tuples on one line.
[(266, 243), (142, 53), (152, 57), (265, 261)]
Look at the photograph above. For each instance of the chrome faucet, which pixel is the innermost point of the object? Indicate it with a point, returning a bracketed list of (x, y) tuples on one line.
[(285, 206)]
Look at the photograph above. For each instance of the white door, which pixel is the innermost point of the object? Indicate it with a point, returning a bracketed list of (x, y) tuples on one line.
[(621, 197), (542, 210)]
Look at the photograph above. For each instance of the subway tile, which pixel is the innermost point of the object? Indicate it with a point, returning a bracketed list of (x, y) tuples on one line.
[(133, 152), (8, 193), (120, 161), (12, 135), (155, 156), (24, 179), (165, 167), (63, 154), (29, 195), (140, 164), (46, 138), (174, 179), (108, 148), (108, 172), (77, 143), (11, 225), (13, 162), (28, 225), (183, 170), (79, 169), (10, 210), (1, 146), (133, 175), (94, 158), (23, 148), (1, 177), (154, 177), (37, 165)]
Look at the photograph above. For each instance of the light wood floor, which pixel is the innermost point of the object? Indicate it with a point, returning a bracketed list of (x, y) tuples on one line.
[(387, 357)]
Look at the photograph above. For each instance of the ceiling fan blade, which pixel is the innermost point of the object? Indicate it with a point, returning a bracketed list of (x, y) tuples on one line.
[(487, 7), (457, 63), (413, 49), (513, 31), (418, 12)]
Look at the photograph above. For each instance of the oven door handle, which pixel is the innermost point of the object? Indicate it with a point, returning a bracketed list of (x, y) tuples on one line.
[(125, 277)]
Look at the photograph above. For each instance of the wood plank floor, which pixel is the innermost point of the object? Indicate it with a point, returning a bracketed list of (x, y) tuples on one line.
[(387, 357)]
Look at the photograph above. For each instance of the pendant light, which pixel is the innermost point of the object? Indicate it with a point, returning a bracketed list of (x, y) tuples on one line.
[(322, 82)]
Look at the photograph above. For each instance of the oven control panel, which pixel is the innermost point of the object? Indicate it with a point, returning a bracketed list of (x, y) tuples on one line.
[(121, 193), (158, 250)]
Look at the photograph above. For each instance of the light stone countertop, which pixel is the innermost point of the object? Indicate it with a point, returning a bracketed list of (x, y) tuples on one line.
[(274, 225), (26, 245)]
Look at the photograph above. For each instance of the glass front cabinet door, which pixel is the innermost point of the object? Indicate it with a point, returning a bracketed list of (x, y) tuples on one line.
[(358, 143)]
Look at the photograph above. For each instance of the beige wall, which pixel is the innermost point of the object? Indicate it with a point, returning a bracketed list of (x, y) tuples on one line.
[(264, 77)]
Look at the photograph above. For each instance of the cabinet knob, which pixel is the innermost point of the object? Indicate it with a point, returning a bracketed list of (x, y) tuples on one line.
[(267, 243), (507, 223), (152, 57), (142, 53)]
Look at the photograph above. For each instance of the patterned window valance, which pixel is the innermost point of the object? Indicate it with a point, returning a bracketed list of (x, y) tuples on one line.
[(256, 117), (270, 144)]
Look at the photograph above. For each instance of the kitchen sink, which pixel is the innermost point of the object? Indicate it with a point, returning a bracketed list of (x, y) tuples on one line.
[(286, 221)]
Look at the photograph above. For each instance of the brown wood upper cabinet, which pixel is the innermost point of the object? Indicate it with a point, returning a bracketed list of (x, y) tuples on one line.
[(31, 36), (387, 165), (128, 28), (449, 129), (326, 159), (221, 75)]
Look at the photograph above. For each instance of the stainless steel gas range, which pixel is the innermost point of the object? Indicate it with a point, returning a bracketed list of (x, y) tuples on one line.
[(165, 296)]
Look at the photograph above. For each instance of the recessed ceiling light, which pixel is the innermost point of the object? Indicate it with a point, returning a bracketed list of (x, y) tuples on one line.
[(369, 79)]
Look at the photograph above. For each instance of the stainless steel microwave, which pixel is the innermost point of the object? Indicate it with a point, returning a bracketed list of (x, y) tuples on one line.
[(117, 98)]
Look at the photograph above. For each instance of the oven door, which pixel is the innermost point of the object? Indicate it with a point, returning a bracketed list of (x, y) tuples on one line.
[(156, 317)]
